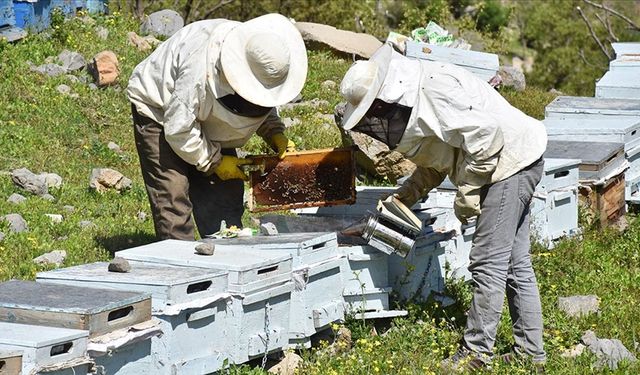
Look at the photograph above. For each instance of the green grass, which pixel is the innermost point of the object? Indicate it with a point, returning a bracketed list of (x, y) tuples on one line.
[(43, 130)]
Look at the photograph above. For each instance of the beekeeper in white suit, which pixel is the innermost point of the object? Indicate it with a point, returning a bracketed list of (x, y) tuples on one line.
[(450, 123), (198, 96)]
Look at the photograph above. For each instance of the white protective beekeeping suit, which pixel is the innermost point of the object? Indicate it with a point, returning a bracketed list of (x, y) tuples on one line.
[(459, 126)]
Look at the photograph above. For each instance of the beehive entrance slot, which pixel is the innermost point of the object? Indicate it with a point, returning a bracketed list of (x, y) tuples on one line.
[(2, 363), (633, 132), (611, 158), (561, 174), (120, 313), (199, 287), (61, 349), (318, 246), (267, 270)]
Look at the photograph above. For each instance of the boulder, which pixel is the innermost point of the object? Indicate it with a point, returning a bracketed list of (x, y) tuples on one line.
[(103, 179), (16, 223), (576, 306), (55, 257), (50, 69), (105, 68), (610, 352), (119, 264), (287, 365), (16, 198), (512, 77), (53, 181), (71, 60), (29, 181), (163, 23), (142, 43), (102, 32), (361, 44)]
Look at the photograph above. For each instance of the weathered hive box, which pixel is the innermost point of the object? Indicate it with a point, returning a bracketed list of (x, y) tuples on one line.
[(621, 84), (422, 272), (260, 281), (33, 16), (98, 311), (366, 288), (627, 56), (315, 301), (624, 129), (189, 302), (599, 161), (484, 65), (304, 248), (46, 350), (554, 215), (583, 108), (10, 362), (559, 174), (601, 173), (8, 28)]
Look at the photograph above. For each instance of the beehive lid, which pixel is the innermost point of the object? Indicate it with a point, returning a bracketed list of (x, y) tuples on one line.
[(626, 48), (141, 273), (34, 296), (29, 336), (225, 257), (553, 164), (587, 126), (301, 241), (592, 153), (620, 78), (588, 105)]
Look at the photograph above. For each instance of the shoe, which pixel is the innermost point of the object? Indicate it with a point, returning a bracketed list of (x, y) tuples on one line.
[(464, 359), (513, 358)]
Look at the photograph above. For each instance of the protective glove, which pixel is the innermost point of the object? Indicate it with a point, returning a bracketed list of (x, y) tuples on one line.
[(229, 168), (283, 144), (402, 194), (467, 203)]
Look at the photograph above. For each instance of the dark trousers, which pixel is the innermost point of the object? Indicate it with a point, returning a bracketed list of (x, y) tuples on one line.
[(177, 189)]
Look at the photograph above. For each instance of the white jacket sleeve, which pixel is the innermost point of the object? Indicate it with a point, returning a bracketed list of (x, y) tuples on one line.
[(182, 130), (466, 125)]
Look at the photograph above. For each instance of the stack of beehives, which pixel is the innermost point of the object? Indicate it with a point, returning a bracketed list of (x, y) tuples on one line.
[(175, 311), (608, 129)]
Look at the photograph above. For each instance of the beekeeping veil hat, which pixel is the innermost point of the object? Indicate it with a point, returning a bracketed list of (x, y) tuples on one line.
[(265, 60), (387, 76)]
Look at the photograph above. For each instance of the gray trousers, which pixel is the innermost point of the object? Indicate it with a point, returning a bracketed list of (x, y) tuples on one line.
[(500, 262), (177, 189)]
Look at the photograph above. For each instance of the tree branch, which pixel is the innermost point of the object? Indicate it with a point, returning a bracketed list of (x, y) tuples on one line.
[(607, 25), (220, 4), (614, 12), (593, 34)]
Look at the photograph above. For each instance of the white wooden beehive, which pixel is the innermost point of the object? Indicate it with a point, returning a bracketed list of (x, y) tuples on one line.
[(249, 269), (558, 174), (372, 304), (596, 129), (582, 108), (365, 268), (620, 83), (484, 65), (46, 349), (421, 273), (554, 215), (189, 302), (305, 248), (260, 282), (315, 300)]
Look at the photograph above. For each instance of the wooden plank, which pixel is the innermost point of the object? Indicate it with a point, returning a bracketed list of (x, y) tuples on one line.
[(108, 321), (10, 364), (42, 318)]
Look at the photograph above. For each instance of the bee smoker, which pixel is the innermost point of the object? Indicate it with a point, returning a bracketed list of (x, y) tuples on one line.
[(387, 236)]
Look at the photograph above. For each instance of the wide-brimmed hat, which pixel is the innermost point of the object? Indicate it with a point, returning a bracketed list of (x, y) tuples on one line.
[(361, 84), (265, 60)]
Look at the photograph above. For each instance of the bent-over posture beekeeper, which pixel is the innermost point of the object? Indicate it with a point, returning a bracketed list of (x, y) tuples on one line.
[(451, 123), (198, 96)]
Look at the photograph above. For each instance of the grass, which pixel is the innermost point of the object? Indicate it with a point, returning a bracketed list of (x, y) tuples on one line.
[(43, 130)]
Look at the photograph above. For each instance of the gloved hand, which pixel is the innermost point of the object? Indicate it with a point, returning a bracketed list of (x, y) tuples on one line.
[(467, 203), (229, 168), (283, 144)]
